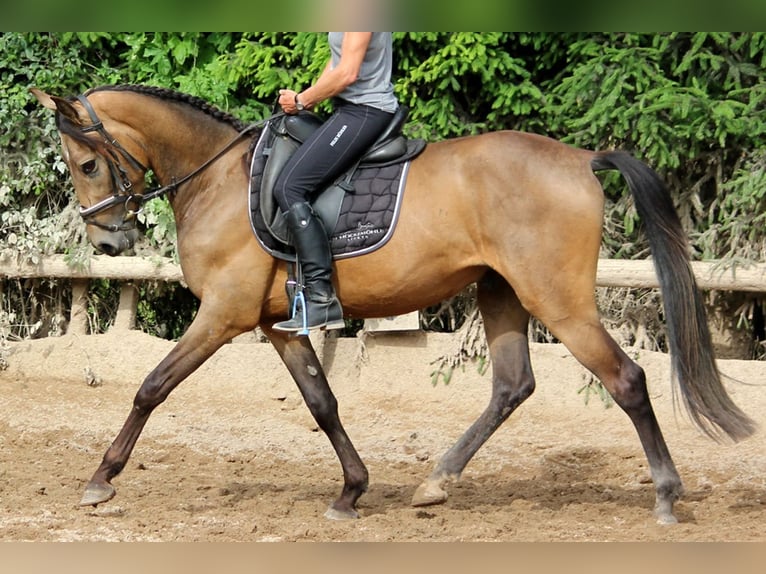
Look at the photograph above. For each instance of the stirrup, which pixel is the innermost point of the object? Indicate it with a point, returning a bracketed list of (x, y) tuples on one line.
[(319, 309), (299, 321), (301, 298), (290, 324)]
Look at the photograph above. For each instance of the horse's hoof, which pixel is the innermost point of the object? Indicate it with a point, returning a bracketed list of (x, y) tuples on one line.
[(663, 510), (96, 493), (335, 514), (429, 493), (666, 519)]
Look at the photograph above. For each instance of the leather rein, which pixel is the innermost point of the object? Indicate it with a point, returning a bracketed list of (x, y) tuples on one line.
[(122, 186)]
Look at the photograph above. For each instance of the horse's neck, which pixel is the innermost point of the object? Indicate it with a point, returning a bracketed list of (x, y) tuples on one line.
[(180, 147), (176, 136), (193, 146), (178, 141)]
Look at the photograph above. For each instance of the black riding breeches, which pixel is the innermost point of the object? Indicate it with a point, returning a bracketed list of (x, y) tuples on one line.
[(329, 151)]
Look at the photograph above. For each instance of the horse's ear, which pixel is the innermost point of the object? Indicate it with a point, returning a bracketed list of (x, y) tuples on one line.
[(43, 98), (56, 104)]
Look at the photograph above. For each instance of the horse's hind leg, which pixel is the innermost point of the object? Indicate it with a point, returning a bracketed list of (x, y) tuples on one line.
[(582, 333), (505, 324), (301, 360)]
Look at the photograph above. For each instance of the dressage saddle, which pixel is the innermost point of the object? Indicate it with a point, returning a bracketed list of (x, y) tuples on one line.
[(288, 132)]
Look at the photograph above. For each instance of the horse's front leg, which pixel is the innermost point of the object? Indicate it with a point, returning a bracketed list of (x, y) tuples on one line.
[(301, 360), (206, 334)]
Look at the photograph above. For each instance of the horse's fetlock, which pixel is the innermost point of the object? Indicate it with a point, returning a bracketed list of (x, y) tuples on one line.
[(669, 489), (115, 469)]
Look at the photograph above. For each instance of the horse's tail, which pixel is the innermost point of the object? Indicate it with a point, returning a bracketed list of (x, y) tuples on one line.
[(691, 349)]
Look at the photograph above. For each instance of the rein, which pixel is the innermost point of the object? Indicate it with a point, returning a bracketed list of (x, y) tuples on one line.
[(122, 185)]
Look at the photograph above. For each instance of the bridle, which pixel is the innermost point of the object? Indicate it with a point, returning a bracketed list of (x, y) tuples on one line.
[(122, 186)]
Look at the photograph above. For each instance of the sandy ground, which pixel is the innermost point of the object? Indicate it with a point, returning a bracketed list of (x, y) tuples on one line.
[(234, 455)]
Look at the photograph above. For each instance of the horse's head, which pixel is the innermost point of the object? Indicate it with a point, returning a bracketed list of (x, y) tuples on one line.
[(108, 179)]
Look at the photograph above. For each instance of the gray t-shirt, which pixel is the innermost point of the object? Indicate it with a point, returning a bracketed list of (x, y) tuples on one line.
[(373, 86)]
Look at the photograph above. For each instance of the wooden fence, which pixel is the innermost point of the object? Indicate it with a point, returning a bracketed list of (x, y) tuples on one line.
[(712, 275)]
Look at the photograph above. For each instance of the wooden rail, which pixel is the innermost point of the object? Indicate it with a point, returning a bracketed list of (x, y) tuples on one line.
[(711, 275), (125, 269), (99, 267)]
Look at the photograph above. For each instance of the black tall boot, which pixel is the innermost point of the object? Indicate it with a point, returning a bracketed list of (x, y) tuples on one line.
[(320, 307)]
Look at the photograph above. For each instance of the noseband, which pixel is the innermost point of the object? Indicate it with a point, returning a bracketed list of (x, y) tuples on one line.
[(122, 186)]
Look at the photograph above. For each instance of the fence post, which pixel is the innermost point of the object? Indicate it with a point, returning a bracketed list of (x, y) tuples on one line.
[(317, 338), (78, 315), (125, 318)]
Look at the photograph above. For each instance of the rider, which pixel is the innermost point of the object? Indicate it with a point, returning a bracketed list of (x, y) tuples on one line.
[(358, 78)]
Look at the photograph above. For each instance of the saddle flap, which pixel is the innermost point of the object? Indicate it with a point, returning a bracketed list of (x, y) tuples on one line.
[(280, 147), (386, 151)]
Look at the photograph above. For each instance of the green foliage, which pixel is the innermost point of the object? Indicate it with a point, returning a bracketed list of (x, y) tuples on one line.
[(464, 83), (185, 61), (689, 104), (736, 217), (159, 223), (593, 386), (263, 63), (103, 300), (155, 317)]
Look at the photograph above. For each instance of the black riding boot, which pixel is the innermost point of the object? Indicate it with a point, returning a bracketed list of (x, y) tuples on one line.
[(320, 307)]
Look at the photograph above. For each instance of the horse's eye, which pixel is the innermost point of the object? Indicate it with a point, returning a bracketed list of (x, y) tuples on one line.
[(88, 167)]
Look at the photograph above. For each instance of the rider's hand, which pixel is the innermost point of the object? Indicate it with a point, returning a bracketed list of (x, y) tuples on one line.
[(287, 101)]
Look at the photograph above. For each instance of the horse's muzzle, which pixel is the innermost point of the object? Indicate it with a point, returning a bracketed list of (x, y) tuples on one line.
[(114, 242)]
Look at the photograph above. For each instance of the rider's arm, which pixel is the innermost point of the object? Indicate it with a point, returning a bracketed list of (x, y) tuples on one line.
[(332, 81)]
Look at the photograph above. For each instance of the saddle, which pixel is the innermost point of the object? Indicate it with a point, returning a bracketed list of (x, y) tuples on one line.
[(282, 137)]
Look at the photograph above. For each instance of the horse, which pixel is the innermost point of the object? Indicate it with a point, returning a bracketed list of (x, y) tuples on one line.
[(518, 214)]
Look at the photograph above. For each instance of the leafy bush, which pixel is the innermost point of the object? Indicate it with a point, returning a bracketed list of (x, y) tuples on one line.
[(689, 104)]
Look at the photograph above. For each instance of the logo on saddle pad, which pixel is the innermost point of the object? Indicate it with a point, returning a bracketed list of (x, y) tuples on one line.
[(363, 230)]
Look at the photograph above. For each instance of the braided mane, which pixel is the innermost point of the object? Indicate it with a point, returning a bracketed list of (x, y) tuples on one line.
[(167, 94)]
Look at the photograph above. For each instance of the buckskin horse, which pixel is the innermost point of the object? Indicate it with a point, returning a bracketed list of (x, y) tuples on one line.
[(518, 214)]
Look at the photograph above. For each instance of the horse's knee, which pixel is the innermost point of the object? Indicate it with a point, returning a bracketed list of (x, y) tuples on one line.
[(150, 394), (629, 387), (324, 408)]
